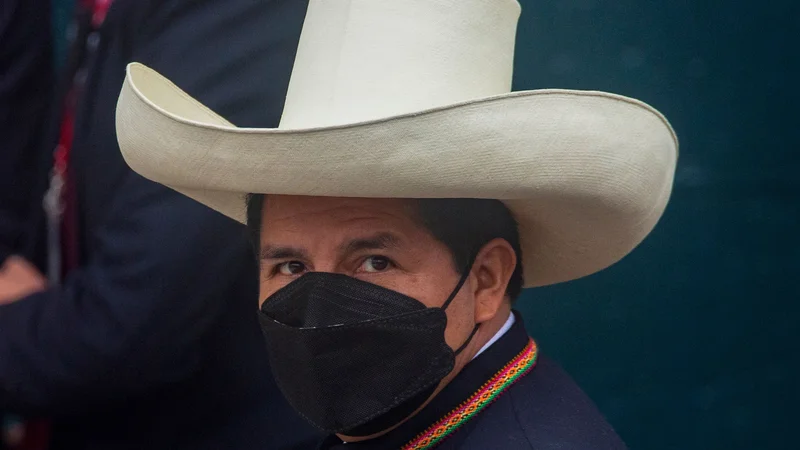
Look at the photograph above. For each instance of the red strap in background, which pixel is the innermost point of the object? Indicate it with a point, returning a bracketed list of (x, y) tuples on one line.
[(99, 10)]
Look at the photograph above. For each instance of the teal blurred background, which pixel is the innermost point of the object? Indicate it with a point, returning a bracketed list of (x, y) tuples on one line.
[(690, 342), (62, 14)]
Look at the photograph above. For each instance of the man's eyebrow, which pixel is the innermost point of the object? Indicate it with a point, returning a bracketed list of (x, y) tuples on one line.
[(380, 241), (279, 252)]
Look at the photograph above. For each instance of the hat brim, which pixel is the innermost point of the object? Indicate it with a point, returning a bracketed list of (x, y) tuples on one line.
[(586, 174)]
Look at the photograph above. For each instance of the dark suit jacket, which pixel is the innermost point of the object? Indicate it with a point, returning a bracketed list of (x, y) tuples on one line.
[(543, 410), (153, 342)]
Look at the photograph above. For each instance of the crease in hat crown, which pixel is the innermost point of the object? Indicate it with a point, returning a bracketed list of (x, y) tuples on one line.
[(359, 60)]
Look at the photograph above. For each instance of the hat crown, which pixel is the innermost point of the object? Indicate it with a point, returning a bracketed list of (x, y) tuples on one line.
[(360, 60)]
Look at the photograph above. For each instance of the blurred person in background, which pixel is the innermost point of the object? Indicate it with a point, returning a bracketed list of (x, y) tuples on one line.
[(26, 92), (144, 335)]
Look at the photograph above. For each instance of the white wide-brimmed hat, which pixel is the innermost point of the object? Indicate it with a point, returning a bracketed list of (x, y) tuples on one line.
[(411, 99)]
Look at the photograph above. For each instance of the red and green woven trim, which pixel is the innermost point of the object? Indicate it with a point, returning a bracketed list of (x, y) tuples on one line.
[(502, 380)]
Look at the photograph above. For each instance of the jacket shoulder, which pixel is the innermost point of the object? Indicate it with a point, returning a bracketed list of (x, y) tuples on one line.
[(554, 413)]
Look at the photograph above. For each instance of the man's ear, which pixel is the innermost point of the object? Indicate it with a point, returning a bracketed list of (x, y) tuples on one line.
[(491, 272)]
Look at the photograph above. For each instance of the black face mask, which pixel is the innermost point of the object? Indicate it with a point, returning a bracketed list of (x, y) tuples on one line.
[(353, 357)]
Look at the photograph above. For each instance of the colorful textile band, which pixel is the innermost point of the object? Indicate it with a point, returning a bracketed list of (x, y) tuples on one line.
[(499, 383)]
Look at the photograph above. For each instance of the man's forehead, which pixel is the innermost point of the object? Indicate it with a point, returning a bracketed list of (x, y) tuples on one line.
[(345, 223), (381, 240)]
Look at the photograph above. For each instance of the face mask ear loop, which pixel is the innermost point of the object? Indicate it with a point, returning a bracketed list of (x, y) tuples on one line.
[(450, 299), (471, 335), (458, 288)]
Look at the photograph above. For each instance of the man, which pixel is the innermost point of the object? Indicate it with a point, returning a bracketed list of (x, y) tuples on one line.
[(402, 204), (151, 341)]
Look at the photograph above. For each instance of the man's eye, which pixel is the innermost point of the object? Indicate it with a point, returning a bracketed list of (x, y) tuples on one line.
[(376, 264), (291, 268)]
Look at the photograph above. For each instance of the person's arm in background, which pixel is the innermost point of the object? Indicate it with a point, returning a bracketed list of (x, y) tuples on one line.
[(26, 90), (130, 319)]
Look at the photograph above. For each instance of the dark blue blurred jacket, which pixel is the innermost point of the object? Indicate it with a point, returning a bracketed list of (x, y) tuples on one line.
[(153, 342), (26, 93)]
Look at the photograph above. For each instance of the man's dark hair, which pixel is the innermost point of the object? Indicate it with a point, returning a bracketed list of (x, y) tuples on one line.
[(463, 225)]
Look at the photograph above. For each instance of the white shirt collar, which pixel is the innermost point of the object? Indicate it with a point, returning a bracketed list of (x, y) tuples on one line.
[(503, 330)]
